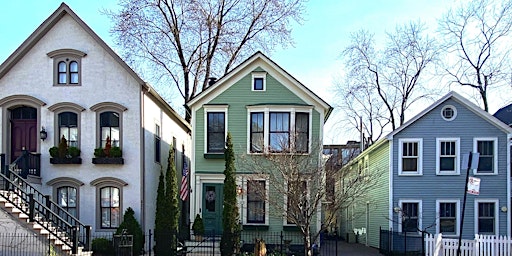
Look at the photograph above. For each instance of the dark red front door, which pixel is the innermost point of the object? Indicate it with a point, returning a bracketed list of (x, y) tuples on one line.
[(23, 131)]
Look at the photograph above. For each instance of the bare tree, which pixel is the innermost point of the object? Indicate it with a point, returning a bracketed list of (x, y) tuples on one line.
[(297, 187), (188, 42), (387, 82), (477, 41)]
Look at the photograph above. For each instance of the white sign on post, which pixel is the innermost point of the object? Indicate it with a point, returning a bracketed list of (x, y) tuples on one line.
[(474, 186)]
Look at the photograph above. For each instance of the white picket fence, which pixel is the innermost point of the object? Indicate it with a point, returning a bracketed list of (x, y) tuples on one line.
[(482, 245)]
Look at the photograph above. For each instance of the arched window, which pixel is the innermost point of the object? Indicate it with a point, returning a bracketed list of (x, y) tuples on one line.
[(67, 66), (62, 73), (73, 72), (110, 207)]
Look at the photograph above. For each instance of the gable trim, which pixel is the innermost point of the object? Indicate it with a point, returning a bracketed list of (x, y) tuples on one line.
[(469, 105)]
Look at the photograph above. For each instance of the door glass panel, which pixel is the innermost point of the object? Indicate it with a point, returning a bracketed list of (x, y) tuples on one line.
[(210, 198)]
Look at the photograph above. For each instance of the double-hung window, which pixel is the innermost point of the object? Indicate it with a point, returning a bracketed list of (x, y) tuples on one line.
[(279, 130), (448, 217), (410, 216), (486, 217), (68, 128), (109, 128), (256, 209), (296, 202), (488, 149), (67, 199), (257, 132), (447, 156), (410, 156), (215, 121), (110, 207)]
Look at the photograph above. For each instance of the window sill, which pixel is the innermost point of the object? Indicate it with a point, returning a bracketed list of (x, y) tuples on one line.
[(108, 160), (255, 227), (76, 160), (214, 155)]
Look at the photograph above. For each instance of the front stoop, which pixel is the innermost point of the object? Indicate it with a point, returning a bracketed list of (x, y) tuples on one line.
[(23, 220)]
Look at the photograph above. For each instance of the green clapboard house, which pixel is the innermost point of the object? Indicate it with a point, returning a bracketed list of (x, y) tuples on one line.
[(261, 93)]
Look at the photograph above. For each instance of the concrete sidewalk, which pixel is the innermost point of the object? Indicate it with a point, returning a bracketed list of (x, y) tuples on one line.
[(335, 248)]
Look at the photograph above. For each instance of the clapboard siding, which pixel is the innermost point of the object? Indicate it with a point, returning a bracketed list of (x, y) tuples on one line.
[(430, 187)]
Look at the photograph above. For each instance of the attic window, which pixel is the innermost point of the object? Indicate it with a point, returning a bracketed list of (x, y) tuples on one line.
[(67, 66), (449, 112), (259, 81)]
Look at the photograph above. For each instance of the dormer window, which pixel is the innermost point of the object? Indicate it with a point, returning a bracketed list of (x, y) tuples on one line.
[(66, 66), (259, 81)]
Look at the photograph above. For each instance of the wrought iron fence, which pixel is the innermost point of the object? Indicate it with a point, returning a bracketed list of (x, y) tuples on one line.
[(25, 244), (401, 243)]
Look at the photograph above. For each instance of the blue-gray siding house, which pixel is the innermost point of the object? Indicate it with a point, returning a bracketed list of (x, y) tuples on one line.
[(425, 176)]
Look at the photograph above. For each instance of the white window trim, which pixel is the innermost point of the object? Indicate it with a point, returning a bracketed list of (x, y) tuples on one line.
[(285, 213), (211, 109), (420, 157), (266, 121), (259, 74), (457, 216), (496, 214), (495, 162), (454, 112), (420, 212), (243, 211), (457, 156)]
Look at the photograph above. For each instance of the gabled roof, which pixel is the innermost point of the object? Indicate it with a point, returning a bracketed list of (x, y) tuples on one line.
[(49, 23), (46, 26), (221, 85), (460, 99)]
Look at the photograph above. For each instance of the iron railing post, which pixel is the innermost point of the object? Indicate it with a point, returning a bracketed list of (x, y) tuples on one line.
[(74, 243), (31, 207), (88, 243)]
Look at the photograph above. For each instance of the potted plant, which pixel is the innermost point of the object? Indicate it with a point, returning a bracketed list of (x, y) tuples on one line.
[(108, 155), (198, 228), (64, 154)]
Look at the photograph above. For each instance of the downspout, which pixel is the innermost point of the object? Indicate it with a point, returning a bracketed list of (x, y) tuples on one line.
[(142, 160)]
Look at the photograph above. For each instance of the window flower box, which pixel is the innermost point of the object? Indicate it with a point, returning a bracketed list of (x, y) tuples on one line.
[(58, 160), (108, 160)]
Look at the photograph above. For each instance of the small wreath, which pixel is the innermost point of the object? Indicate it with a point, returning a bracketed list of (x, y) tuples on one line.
[(210, 196)]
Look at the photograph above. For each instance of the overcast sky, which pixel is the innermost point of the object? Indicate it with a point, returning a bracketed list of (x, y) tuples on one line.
[(314, 60)]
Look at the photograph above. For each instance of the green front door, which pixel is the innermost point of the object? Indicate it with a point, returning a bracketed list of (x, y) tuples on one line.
[(212, 207)]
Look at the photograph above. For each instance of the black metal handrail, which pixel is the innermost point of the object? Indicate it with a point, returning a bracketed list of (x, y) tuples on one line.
[(40, 209)]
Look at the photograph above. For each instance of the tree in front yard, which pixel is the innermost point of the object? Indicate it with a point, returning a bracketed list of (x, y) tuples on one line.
[(167, 210), (297, 187), (230, 241)]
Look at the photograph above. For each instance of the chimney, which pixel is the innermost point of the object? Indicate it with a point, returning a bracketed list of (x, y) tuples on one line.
[(211, 81)]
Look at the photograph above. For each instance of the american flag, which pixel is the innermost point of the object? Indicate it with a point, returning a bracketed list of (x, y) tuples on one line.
[(184, 183)]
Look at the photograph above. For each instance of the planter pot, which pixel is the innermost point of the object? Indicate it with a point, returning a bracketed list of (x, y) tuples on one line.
[(198, 238), (75, 160), (108, 160)]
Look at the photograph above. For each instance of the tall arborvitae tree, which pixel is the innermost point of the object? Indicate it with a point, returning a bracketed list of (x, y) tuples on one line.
[(161, 247), (230, 241), (171, 196)]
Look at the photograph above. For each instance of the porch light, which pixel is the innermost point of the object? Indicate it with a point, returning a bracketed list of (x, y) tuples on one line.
[(42, 134)]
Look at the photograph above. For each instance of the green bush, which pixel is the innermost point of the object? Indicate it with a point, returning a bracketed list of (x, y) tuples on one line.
[(102, 246), (73, 152), (198, 226), (116, 152), (98, 152), (54, 151)]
